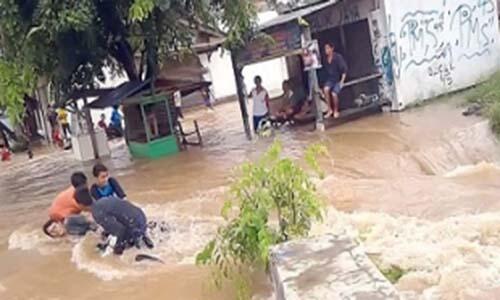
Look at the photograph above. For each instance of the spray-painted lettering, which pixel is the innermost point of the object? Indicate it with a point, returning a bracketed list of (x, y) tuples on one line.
[(437, 39)]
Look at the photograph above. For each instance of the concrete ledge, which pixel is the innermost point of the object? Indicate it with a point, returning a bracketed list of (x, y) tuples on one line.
[(327, 267)]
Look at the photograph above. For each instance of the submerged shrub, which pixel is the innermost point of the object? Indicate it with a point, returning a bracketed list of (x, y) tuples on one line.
[(494, 116), (273, 200)]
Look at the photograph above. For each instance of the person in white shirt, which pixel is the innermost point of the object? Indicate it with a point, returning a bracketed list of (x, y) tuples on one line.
[(178, 103), (260, 99)]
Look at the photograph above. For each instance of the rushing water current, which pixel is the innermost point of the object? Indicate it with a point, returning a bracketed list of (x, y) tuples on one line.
[(420, 189)]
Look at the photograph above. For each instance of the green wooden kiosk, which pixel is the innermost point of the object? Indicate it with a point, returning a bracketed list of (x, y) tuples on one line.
[(149, 125), (152, 129)]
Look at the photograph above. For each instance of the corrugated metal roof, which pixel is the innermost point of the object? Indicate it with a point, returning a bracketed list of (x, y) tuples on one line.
[(117, 95), (126, 90), (285, 18)]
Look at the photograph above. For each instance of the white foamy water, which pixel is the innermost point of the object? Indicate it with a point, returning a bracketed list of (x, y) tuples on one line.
[(177, 237), (184, 238), (31, 238), (477, 169), (445, 259)]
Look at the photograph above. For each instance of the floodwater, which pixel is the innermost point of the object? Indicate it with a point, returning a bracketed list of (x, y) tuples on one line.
[(419, 188)]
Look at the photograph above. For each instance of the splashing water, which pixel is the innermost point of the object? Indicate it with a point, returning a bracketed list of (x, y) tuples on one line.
[(444, 259), (482, 168), (431, 165), (28, 238)]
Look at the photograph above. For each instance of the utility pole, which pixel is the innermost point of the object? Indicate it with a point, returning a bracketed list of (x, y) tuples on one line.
[(43, 97), (313, 80), (241, 95), (90, 128)]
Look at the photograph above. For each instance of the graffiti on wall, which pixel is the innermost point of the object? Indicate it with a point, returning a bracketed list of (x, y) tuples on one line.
[(438, 39), (381, 55)]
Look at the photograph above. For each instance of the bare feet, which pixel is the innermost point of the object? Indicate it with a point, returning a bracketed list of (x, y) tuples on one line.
[(336, 115), (329, 114)]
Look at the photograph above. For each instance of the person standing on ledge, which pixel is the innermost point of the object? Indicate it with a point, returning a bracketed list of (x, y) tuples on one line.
[(336, 70)]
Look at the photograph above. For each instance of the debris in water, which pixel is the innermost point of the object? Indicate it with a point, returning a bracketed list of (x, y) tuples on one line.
[(143, 257), (475, 109)]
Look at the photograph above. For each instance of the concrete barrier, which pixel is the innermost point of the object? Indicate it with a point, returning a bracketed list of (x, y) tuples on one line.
[(327, 267)]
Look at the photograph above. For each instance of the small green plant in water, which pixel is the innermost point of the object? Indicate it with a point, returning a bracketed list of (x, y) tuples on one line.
[(393, 274), (274, 200)]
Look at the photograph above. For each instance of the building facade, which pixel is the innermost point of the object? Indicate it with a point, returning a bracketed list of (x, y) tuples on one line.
[(406, 51), (427, 48)]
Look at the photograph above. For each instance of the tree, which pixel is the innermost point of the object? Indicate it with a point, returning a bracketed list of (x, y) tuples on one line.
[(71, 42), (287, 5), (273, 186)]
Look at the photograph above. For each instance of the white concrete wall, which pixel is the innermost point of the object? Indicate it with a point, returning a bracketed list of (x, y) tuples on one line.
[(440, 46), (221, 72), (273, 72)]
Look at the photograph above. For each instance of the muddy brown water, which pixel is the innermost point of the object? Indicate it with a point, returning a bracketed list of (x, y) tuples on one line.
[(428, 164)]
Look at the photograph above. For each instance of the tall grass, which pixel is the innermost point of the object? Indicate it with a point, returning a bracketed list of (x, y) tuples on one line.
[(487, 95)]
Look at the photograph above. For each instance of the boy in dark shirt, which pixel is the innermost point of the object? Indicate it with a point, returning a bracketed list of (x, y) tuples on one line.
[(119, 219), (336, 71), (106, 186)]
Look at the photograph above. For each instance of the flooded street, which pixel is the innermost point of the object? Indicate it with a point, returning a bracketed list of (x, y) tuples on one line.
[(420, 188)]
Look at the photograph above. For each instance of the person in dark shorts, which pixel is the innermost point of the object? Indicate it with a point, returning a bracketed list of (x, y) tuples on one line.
[(335, 68), (120, 219)]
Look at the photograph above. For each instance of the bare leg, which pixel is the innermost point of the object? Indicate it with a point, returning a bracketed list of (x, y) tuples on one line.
[(335, 98), (328, 98)]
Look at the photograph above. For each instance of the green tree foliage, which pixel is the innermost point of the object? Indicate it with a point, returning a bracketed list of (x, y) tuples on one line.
[(273, 200), (71, 42), (15, 81), (487, 96)]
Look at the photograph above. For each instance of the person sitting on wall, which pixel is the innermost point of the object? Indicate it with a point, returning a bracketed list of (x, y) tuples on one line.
[(106, 186), (65, 213), (335, 68), (294, 101)]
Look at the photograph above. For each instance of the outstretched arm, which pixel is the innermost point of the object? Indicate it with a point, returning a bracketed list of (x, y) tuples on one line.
[(117, 188)]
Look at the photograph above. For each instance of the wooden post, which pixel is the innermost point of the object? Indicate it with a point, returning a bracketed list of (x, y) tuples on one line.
[(90, 128), (146, 124), (313, 84), (171, 122), (241, 96)]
